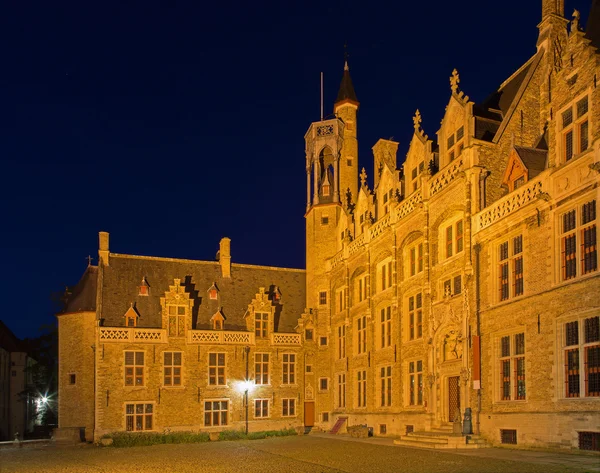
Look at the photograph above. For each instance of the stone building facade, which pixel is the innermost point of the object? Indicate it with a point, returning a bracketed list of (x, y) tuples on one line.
[(467, 277)]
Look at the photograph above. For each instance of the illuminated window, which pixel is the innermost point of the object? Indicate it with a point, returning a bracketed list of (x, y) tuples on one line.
[(139, 417), (385, 379), (134, 368), (512, 367), (216, 412), (581, 346), (172, 368), (579, 254), (216, 369), (144, 288), (575, 129)]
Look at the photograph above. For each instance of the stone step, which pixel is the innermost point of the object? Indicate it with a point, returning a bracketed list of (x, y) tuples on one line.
[(419, 443)]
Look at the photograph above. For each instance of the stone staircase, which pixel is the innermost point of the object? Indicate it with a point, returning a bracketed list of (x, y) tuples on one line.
[(440, 438)]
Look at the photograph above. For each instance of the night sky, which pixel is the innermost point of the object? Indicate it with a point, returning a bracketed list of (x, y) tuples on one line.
[(173, 124)]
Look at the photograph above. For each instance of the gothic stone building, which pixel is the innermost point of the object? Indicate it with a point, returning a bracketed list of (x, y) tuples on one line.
[(465, 278)]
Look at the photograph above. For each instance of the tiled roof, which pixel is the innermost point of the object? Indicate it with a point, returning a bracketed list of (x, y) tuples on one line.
[(82, 297), (346, 91), (121, 280)]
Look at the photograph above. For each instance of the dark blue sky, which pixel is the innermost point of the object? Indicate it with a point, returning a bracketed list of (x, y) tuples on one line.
[(172, 124)]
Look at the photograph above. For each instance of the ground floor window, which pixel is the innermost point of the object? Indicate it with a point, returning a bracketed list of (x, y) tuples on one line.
[(216, 413), (261, 408), (288, 407), (139, 417)]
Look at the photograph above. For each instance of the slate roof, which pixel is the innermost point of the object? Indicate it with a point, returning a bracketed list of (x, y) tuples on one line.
[(82, 297), (346, 91), (535, 160), (121, 280), (592, 31)]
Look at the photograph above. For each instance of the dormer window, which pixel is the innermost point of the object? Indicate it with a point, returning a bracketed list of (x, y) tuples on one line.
[(455, 144), (261, 325), (131, 317), (276, 294), (213, 292), (144, 288), (218, 325)]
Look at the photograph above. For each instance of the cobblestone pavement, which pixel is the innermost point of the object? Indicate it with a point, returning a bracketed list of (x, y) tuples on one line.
[(289, 454)]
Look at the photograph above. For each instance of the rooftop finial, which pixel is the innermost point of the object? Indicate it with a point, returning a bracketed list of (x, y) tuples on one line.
[(363, 177), (346, 55), (454, 81), (417, 120), (575, 21)]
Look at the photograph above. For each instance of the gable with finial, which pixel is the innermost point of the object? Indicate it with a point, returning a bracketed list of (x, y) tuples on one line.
[(263, 305), (455, 131), (523, 165), (418, 156), (218, 320), (131, 316), (177, 309)]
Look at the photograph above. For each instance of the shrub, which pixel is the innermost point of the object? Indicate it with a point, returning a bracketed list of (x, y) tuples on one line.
[(126, 439)]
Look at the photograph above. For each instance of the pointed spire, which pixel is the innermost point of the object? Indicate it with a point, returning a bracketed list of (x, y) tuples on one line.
[(346, 92)]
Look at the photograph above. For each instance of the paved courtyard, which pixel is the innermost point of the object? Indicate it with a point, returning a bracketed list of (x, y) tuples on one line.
[(289, 454)]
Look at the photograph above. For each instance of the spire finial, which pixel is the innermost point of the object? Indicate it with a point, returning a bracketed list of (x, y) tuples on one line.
[(575, 21), (454, 81), (417, 120), (363, 177), (346, 55)]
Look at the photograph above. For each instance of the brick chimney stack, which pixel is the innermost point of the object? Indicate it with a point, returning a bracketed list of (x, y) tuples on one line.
[(103, 248), (225, 257)]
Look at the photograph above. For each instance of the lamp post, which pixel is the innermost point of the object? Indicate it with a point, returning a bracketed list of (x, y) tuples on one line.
[(247, 385)]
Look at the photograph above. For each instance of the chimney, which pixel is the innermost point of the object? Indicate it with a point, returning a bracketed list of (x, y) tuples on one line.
[(225, 257), (103, 248)]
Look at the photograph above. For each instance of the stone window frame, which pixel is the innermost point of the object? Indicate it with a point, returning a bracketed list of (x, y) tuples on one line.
[(498, 261), (341, 297), (385, 274), (412, 316), (145, 415), (574, 127), (361, 379), (581, 347), (264, 405), (457, 244), (291, 366), (362, 293), (261, 324), (341, 337), (72, 379), (360, 325), (263, 364), (217, 367), (510, 356), (411, 369), (323, 384), (449, 281), (322, 297), (384, 326), (415, 255), (340, 391), (220, 410), (180, 318), (173, 367), (455, 149), (385, 389), (578, 232), (134, 366), (288, 403)]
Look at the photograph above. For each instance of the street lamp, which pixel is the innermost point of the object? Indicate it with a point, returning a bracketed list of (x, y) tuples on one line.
[(246, 385)]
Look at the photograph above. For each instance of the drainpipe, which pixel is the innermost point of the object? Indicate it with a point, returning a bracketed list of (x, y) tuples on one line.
[(477, 248)]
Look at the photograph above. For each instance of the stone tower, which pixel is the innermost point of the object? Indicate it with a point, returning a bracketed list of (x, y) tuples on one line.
[(331, 175)]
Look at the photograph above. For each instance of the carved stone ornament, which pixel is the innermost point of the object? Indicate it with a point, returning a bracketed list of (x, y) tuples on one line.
[(454, 81), (363, 177), (417, 120)]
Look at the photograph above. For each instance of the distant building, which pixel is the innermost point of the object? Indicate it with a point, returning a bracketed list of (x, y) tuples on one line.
[(465, 278), (17, 406)]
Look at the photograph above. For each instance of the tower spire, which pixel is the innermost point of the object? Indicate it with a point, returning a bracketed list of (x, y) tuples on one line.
[(346, 92)]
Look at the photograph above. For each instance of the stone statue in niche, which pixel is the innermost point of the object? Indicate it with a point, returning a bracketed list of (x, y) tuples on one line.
[(453, 347)]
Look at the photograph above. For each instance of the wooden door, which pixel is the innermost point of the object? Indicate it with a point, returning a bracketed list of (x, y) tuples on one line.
[(309, 414), (453, 397)]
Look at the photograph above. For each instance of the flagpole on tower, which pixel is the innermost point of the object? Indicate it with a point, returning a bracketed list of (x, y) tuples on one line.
[(321, 96)]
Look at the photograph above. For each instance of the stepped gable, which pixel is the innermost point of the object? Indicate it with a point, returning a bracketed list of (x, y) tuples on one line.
[(122, 279), (82, 296)]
